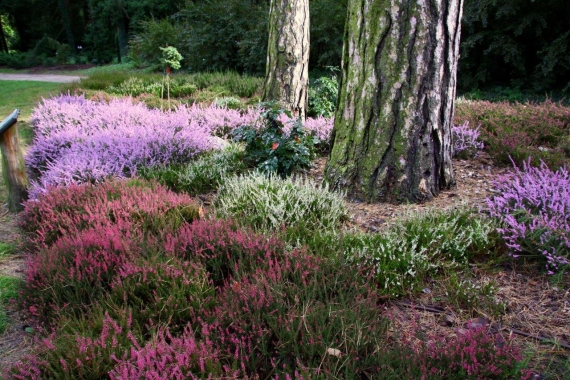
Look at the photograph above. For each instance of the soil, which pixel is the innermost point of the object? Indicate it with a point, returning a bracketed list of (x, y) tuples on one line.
[(533, 304)]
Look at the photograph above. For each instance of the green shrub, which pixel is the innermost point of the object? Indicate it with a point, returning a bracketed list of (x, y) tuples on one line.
[(323, 93), (144, 47), (267, 203), (274, 147), (413, 248), (202, 175), (229, 102), (102, 80)]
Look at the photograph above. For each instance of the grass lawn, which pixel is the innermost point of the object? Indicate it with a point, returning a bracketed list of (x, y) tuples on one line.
[(24, 95)]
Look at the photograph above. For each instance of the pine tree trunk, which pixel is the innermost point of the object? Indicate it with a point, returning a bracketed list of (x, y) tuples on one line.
[(62, 4), (13, 169), (287, 72), (392, 133)]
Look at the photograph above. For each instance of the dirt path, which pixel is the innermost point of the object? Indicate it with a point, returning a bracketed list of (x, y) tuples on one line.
[(41, 77)]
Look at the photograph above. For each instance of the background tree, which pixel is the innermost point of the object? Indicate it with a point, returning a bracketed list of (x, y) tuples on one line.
[(287, 71), (515, 43), (392, 133)]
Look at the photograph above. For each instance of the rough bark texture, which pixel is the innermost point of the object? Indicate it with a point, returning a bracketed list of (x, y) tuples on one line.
[(392, 133), (13, 169), (287, 74)]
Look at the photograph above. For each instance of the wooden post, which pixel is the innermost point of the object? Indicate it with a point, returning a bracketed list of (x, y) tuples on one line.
[(13, 165)]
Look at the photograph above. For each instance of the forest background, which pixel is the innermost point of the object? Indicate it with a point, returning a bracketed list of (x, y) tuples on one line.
[(508, 48)]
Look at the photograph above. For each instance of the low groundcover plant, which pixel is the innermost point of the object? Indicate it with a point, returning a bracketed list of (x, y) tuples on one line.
[(533, 204)]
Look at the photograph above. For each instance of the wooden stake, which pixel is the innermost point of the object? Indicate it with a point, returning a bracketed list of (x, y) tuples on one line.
[(13, 164)]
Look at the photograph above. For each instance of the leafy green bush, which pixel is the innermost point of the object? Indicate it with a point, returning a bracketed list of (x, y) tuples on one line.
[(135, 86), (267, 203), (144, 46), (275, 147), (202, 175), (323, 93)]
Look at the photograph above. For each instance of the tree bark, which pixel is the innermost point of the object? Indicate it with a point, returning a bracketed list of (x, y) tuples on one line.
[(287, 72), (13, 169), (392, 132)]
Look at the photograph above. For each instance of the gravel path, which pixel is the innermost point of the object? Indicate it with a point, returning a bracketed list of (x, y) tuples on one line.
[(41, 77)]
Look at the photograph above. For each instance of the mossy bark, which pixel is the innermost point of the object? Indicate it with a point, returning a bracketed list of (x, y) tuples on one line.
[(392, 132), (287, 72)]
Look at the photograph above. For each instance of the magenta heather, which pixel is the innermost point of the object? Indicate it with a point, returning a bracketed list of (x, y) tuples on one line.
[(534, 206)]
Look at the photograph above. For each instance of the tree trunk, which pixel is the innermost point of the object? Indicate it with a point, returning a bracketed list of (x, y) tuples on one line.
[(287, 72), (392, 132), (13, 169), (123, 38), (3, 42), (62, 4)]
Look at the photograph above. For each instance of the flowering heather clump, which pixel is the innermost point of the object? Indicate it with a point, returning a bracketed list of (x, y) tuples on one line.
[(159, 291), (268, 203), (519, 131), (465, 141), (79, 140), (127, 204), (86, 349), (534, 206), (76, 270), (169, 357), (221, 246), (474, 353)]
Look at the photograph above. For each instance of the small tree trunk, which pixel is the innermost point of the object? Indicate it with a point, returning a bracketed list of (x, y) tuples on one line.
[(13, 169), (287, 73), (123, 38), (392, 133), (62, 4), (3, 42)]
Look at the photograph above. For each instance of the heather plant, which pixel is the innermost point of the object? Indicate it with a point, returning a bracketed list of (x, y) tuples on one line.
[(221, 246), (300, 315), (76, 270), (475, 353), (202, 175), (78, 140), (533, 205), (136, 205), (87, 347), (169, 357), (135, 86), (466, 294), (520, 131), (160, 292), (267, 203), (420, 246), (272, 149), (229, 102), (466, 142)]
